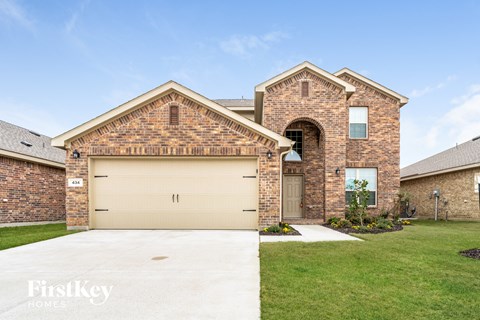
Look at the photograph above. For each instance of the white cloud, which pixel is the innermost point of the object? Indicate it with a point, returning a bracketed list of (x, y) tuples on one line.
[(243, 46), (11, 10), (428, 89)]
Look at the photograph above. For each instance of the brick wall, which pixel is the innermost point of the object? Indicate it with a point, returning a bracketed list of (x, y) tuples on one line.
[(382, 148), (34, 192), (326, 107), (147, 132), (458, 198)]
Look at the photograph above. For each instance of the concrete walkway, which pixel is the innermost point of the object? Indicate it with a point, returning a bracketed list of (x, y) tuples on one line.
[(133, 274), (311, 233)]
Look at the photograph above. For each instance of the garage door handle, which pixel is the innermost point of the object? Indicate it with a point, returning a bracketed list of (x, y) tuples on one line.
[(177, 198), (173, 198)]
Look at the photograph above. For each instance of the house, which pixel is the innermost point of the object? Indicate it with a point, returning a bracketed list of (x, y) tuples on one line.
[(174, 159), (32, 177), (455, 176)]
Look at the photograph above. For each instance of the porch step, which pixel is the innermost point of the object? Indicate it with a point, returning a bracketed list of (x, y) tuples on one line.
[(302, 221)]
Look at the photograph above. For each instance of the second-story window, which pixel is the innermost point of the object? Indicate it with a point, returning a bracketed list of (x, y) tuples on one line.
[(358, 122), (297, 136)]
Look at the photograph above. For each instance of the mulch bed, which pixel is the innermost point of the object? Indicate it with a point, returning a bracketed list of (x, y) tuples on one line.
[(351, 230), (471, 253), (293, 233)]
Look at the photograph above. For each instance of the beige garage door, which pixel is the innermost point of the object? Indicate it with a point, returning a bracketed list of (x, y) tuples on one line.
[(174, 194)]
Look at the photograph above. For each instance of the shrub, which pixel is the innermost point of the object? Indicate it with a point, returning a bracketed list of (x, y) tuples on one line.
[(274, 228), (368, 219), (384, 213), (359, 201), (383, 223), (344, 224), (333, 220), (352, 218)]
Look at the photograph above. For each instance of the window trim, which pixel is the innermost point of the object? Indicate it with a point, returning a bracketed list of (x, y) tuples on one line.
[(367, 126), (356, 177), (303, 140)]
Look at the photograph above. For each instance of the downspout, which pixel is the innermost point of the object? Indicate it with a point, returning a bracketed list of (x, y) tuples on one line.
[(281, 180)]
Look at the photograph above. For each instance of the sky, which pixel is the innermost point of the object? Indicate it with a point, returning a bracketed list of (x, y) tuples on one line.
[(64, 62)]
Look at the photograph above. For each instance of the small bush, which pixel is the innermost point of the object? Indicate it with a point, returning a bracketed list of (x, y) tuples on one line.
[(406, 222), (384, 213), (333, 220), (273, 228), (344, 224), (352, 218), (383, 223), (368, 219)]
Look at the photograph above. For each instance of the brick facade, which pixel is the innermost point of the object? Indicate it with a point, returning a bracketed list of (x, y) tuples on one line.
[(458, 198), (34, 192), (324, 112), (147, 132)]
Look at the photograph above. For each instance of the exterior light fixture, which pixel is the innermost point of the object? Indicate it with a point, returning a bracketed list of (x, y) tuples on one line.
[(269, 154), (293, 156), (76, 154), (337, 171)]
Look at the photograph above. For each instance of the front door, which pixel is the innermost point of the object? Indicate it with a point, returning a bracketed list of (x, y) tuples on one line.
[(292, 196)]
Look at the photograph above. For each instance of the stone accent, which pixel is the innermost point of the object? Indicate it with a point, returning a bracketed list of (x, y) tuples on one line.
[(147, 132), (34, 192), (458, 198)]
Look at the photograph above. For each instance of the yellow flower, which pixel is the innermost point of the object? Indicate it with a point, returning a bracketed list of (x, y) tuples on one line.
[(265, 229), (285, 230)]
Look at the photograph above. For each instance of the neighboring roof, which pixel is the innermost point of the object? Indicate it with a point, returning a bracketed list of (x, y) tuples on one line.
[(39, 149), (171, 86), (235, 102), (463, 156), (260, 89), (403, 100)]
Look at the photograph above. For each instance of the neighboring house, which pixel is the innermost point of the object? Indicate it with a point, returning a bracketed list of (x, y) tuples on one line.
[(455, 173), (32, 177), (174, 159)]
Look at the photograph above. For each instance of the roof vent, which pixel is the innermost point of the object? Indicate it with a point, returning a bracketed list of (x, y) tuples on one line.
[(34, 133), (476, 138), (25, 143)]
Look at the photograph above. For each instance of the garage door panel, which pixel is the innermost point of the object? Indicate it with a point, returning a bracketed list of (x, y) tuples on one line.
[(207, 193)]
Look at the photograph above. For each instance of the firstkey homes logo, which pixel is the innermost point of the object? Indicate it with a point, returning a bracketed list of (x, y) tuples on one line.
[(57, 295)]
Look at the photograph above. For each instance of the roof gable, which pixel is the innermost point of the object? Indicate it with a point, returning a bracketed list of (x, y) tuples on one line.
[(64, 139), (312, 68), (403, 100)]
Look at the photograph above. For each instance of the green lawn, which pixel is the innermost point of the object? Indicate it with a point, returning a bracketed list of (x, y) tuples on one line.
[(416, 273), (17, 236)]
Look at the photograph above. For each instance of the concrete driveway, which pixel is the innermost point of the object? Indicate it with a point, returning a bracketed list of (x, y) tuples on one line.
[(133, 275)]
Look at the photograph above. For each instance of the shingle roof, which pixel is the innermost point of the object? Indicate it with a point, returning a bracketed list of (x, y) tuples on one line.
[(236, 102), (11, 137), (464, 154)]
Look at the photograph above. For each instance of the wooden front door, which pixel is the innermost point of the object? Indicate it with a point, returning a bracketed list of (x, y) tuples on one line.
[(292, 196)]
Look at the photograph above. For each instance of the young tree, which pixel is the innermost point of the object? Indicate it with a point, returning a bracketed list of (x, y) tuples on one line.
[(359, 201)]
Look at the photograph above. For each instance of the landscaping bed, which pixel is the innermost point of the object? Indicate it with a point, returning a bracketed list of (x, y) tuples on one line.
[(282, 229), (471, 253), (372, 230)]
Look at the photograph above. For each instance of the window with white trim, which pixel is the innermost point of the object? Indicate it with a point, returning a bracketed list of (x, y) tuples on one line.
[(358, 122), (369, 174), (477, 181)]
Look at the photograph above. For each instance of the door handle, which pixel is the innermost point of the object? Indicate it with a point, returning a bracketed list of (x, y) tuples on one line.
[(177, 198), (173, 197)]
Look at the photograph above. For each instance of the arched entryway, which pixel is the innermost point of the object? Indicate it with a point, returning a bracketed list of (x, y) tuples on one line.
[(303, 182)]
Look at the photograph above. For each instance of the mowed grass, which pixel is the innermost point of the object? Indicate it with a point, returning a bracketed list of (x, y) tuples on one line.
[(416, 273), (16, 236)]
